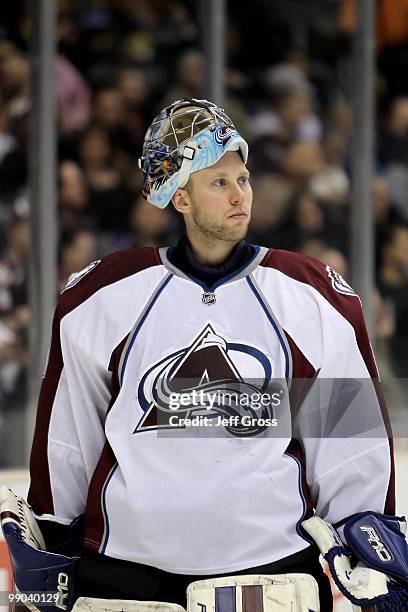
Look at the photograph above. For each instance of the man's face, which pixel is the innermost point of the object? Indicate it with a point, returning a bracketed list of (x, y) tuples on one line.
[(220, 200)]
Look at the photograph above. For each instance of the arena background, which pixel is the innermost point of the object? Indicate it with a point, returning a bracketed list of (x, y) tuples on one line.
[(319, 90)]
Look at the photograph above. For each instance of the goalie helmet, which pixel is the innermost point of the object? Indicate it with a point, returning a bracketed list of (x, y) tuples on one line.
[(187, 136)]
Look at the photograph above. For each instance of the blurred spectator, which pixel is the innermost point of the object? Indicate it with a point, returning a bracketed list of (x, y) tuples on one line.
[(394, 132), (109, 199), (78, 248), (134, 89), (95, 150), (335, 259), (108, 109), (272, 194), (133, 86), (14, 165), (72, 193), (393, 272), (191, 82), (384, 325), (382, 319), (108, 112), (14, 74), (331, 182), (151, 226), (14, 315), (13, 267), (15, 104), (287, 112), (98, 40), (302, 161), (381, 203), (396, 176), (73, 97), (13, 357), (118, 60), (7, 140), (308, 218), (393, 284), (303, 222), (190, 77), (399, 341), (313, 247)]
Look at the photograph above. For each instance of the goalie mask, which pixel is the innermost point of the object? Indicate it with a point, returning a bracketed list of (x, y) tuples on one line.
[(187, 136)]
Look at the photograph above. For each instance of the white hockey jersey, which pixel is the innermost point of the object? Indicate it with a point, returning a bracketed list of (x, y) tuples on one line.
[(133, 337)]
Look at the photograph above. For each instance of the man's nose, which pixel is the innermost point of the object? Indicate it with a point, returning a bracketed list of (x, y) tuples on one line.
[(237, 195)]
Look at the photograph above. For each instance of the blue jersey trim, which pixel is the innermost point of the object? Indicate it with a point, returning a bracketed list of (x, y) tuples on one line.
[(273, 323), (138, 328), (251, 350), (104, 510), (144, 404), (221, 281), (302, 497)]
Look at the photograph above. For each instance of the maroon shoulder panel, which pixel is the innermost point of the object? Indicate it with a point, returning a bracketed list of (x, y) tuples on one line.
[(109, 270), (303, 376), (308, 270), (39, 494)]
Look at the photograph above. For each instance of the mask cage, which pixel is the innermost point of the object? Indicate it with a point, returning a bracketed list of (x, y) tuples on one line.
[(162, 154)]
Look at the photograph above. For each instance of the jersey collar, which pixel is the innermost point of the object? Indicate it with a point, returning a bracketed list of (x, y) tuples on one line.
[(231, 273)]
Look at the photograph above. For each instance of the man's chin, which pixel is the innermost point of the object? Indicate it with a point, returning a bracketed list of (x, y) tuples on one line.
[(237, 234), (227, 234)]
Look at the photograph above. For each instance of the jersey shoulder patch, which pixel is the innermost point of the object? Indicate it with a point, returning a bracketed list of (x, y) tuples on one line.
[(76, 277), (338, 282)]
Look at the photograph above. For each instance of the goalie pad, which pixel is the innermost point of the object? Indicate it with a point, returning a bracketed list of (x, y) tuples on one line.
[(286, 592), (363, 586), (90, 604), (34, 569), (255, 593)]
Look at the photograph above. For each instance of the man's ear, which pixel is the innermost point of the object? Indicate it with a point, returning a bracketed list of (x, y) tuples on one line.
[(181, 201)]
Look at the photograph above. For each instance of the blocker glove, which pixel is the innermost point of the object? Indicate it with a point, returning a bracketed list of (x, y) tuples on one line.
[(45, 579), (371, 567)]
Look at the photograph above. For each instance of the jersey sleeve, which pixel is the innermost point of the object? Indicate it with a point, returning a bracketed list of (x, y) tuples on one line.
[(76, 392), (342, 424), (350, 463), (69, 432)]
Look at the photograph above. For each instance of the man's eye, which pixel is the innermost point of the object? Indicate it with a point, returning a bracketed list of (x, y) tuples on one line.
[(244, 180), (219, 182)]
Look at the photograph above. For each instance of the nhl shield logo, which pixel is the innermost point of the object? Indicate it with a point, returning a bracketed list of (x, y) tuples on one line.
[(208, 298)]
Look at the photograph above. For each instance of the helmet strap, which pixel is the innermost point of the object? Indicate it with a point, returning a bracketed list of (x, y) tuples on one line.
[(188, 156)]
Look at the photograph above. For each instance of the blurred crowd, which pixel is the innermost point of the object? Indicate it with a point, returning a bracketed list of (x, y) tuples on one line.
[(289, 89)]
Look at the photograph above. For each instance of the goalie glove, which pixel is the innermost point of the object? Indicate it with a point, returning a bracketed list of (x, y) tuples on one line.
[(371, 569), (34, 569)]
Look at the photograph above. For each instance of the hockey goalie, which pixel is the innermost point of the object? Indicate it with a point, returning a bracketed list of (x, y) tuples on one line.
[(131, 505)]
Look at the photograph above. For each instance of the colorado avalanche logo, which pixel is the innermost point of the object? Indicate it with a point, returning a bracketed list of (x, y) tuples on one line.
[(206, 376), (222, 134)]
